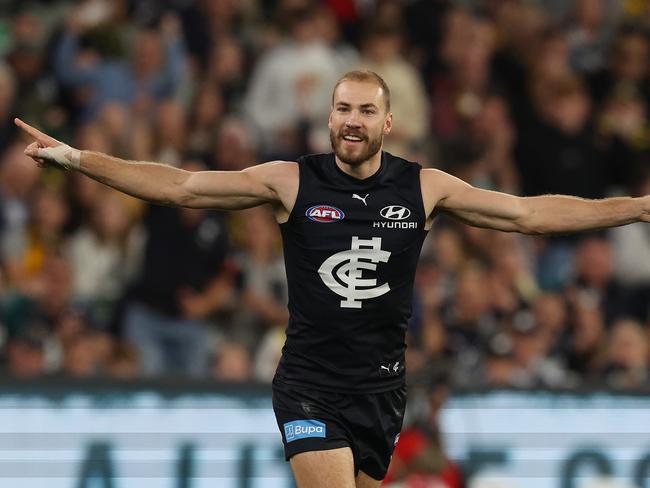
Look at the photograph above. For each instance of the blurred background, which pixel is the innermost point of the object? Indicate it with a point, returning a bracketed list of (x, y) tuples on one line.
[(527, 97)]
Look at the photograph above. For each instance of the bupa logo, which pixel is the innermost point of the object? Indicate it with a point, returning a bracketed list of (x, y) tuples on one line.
[(301, 429), (324, 213), (395, 212)]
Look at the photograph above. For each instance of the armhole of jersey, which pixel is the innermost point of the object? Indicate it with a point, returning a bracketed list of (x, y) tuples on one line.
[(300, 163), (421, 199)]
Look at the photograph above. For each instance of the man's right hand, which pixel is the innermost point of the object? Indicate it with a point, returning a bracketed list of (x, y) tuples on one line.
[(47, 151)]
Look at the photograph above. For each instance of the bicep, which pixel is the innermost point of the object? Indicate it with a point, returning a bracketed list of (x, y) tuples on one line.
[(226, 190), (274, 182), (475, 206)]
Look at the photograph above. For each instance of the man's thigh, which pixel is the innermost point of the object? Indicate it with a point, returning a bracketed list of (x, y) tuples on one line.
[(333, 468), (365, 481)]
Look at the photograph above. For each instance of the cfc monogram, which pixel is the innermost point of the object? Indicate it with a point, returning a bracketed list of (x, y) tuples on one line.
[(347, 280)]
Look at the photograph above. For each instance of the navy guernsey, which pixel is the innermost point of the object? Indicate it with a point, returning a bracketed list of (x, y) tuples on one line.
[(351, 248)]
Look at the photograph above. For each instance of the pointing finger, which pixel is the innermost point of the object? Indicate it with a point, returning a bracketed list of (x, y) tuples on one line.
[(36, 134)]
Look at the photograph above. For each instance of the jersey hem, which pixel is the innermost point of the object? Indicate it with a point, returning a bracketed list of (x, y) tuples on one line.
[(279, 380)]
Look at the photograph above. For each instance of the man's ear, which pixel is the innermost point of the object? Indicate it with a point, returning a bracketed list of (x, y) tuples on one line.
[(329, 120), (388, 124)]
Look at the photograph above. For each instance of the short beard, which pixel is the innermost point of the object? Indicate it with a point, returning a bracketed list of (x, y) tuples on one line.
[(374, 145)]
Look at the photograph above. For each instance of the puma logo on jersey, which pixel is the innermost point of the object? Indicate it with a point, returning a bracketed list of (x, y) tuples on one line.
[(343, 272), (389, 369), (363, 199)]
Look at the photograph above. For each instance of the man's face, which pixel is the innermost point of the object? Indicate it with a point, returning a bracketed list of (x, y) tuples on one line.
[(358, 121)]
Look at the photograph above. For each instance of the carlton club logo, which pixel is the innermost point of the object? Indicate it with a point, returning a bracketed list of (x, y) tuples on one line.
[(325, 213), (343, 272)]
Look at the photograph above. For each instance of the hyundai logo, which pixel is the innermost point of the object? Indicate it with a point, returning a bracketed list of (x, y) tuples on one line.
[(395, 212)]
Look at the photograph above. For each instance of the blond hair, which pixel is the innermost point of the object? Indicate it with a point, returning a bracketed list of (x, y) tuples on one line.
[(365, 76)]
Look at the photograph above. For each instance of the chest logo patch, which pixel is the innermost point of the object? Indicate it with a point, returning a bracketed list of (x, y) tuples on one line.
[(395, 212), (343, 272), (325, 213)]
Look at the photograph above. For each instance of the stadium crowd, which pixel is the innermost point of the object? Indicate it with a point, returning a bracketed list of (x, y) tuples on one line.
[(524, 97)]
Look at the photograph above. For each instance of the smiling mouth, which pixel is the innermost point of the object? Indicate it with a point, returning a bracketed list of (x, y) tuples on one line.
[(352, 138)]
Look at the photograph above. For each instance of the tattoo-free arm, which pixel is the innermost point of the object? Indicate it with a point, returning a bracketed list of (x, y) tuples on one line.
[(274, 182), (547, 214)]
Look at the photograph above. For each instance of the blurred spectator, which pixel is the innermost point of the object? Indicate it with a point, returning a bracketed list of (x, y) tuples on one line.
[(123, 361), (345, 53), (626, 363), (262, 278), (457, 92), (18, 178), (627, 66), (85, 354), (206, 114), (499, 367), (594, 277), (153, 73), (44, 299), (7, 99), (555, 150), (551, 316), (105, 256), (226, 72), (181, 284), (26, 357), (233, 146), (589, 34), (534, 367), (232, 363), (382, 53), (587, 340), (631, 247), (511, 276), (492, 137), (170, 137), (468, 321), (290, 92), (424, 20), (268, 353), (41, 239), (37, 94), (209, 23)]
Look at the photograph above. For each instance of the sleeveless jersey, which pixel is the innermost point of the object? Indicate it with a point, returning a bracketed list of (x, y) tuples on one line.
[(351, 248)]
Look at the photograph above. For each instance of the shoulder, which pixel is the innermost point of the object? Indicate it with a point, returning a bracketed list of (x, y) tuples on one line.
[(436, 186), (274, 169), (280, 177), (436, 176)]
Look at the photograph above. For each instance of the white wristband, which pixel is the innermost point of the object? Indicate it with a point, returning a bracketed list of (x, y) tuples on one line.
[(63, 155)]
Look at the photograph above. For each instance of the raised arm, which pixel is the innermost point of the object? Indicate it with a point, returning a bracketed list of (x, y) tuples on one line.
[(275, 183), (547, 214)]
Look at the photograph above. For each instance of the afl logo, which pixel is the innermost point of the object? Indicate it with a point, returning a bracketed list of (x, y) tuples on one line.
[(324, 213), (395, 212)]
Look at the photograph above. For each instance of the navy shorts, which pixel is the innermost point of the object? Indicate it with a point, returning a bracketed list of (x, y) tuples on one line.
[(313, 420)]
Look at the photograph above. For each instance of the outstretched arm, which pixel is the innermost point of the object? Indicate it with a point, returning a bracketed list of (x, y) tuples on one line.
[(548, 214), (229, 190)]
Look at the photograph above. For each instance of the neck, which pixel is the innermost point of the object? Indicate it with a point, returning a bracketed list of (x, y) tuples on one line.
[(363, 170)]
